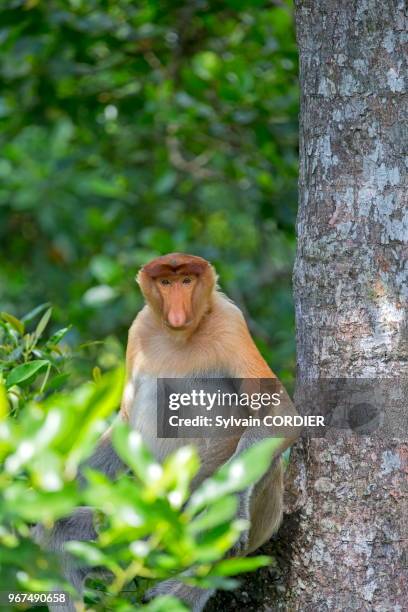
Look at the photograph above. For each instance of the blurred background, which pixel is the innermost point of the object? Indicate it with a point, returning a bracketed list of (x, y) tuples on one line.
[(133, 128)]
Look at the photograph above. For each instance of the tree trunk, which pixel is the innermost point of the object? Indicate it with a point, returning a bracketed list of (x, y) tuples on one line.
[(351, 292)]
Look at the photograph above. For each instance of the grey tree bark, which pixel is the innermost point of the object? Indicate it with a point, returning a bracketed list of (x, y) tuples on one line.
[(351, 293), (344, 545)]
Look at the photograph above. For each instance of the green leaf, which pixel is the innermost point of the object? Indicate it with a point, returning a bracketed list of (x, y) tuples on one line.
[(88, 553), (46, 470), (24, 372), (97, 405), (165, 603), (206, 65), (105, 188), (215, 583), (43, 322), (59, 335), (219, 512), (179, 469), (14, 322), (57, 382), (130, 447), (4, 407), (35, 312), (245, 469), (214, 543), (34, 505), (165, 182), (231, 567), (105, 269), (96, 374)]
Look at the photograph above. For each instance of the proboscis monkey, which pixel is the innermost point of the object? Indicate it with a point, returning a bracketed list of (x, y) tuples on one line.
[(187, 329)]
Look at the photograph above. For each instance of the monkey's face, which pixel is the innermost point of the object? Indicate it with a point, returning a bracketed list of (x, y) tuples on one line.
[(178, 287), (176, 294)]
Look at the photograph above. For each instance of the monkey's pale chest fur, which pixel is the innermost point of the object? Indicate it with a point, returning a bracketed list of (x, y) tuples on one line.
[(158, 356), (143, 418)]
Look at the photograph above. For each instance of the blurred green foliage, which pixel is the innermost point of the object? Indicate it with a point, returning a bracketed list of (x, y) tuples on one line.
[(149, 526), (130, 129), (30, 364)]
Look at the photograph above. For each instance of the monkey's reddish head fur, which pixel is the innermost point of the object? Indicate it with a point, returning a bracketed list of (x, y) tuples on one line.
[(176, 263), (178, 288)]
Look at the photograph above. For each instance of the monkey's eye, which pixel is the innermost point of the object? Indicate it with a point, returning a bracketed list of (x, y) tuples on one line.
[(186, 281), (165, 281)]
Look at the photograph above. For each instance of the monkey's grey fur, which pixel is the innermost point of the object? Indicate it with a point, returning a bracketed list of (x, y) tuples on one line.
[(79, 526)]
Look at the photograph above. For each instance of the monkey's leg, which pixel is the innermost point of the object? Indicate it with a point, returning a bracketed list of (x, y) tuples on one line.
[(78, 526), (266, 506), (262, 505)]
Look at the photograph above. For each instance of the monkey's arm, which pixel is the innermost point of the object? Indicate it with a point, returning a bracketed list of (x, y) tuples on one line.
[(250, 366), (128, 396), (104, 458)]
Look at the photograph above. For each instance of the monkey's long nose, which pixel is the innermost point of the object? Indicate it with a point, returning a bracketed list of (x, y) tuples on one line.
[(177, 317)]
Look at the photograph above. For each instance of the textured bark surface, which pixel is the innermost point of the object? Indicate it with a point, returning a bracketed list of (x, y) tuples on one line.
[(345, 546), (351, 291)]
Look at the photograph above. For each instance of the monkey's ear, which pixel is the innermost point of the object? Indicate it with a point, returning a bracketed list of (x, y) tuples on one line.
[(142, 277), (144, 282), (138, 277)]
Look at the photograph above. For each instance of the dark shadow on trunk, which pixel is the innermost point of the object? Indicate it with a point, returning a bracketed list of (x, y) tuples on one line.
[(265, 588)]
